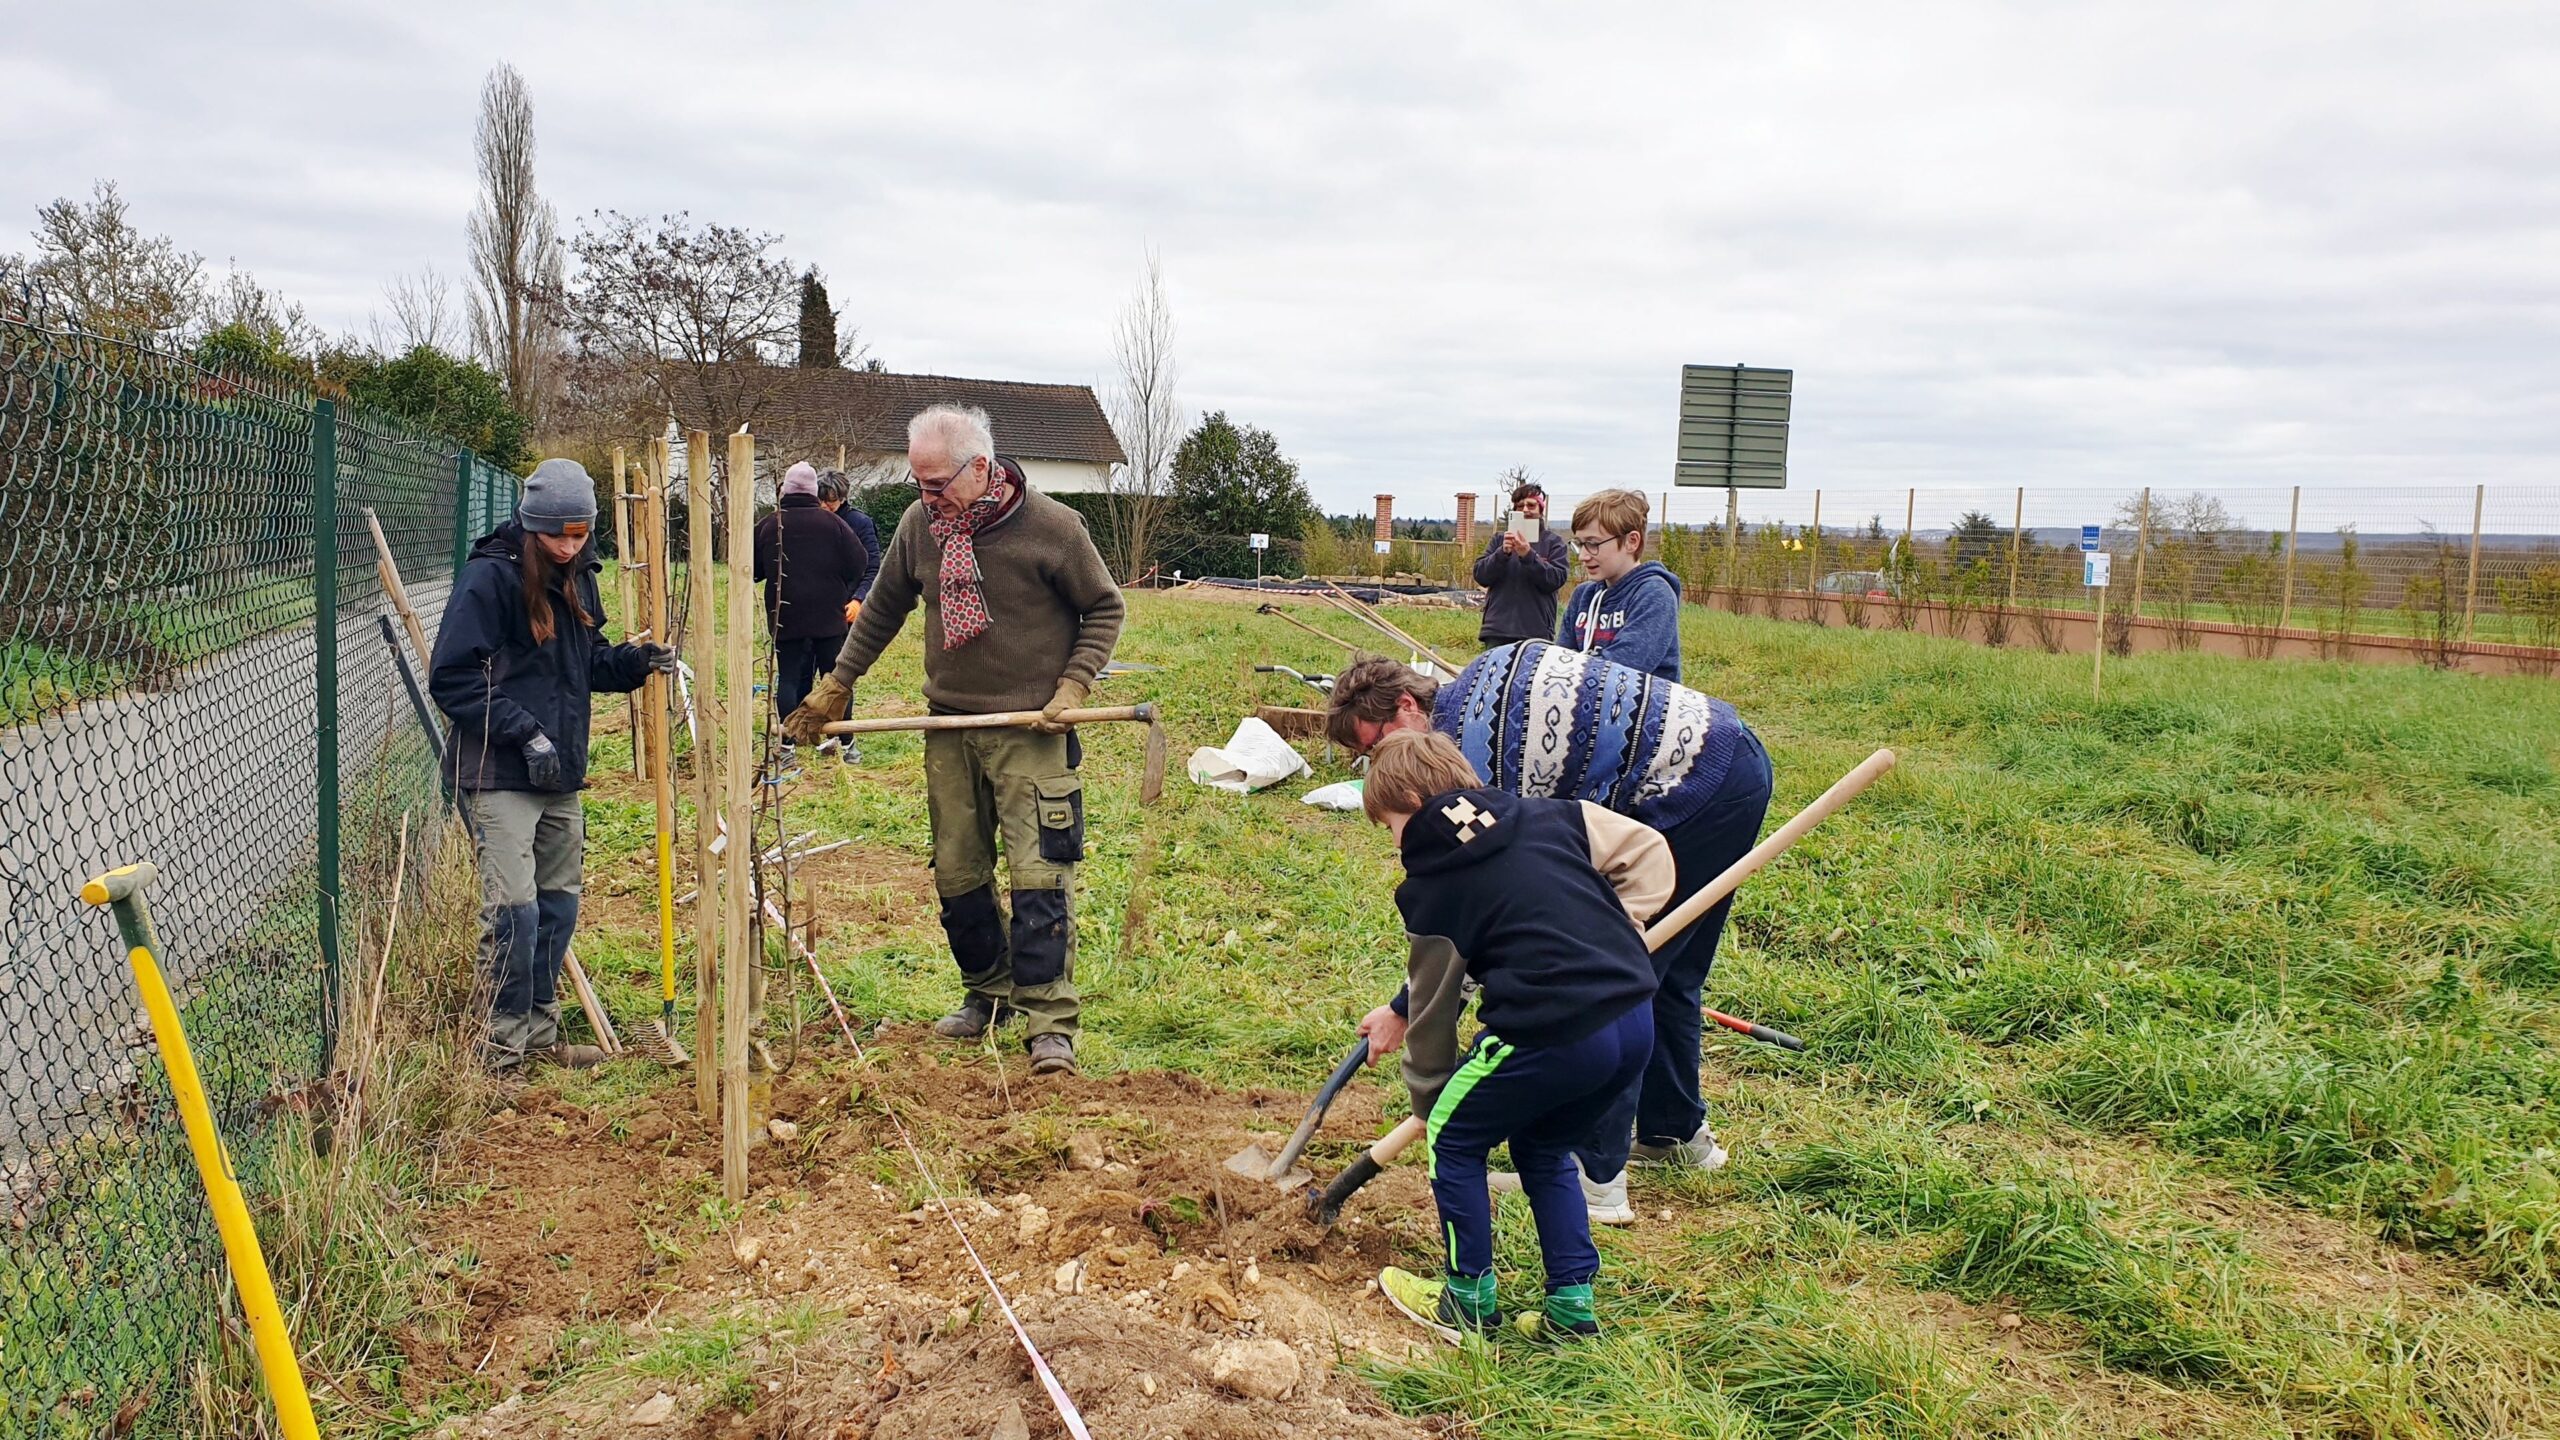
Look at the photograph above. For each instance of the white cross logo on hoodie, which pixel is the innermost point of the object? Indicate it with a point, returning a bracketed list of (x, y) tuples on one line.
[(1464, 815)]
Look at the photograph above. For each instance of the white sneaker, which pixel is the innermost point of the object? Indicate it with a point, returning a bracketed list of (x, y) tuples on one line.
[(1607, 1203), (1698, 1152)]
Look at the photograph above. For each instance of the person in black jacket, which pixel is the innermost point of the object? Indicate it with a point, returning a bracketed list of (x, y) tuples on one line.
[(808, 562), (1521, 577), (1537, 902), (518, 652), (835, 492)]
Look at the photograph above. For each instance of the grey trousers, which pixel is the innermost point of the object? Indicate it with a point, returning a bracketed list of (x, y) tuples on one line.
[(532, 845)]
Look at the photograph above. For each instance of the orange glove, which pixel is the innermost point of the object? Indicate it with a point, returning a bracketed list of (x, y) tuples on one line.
[(852, 611)]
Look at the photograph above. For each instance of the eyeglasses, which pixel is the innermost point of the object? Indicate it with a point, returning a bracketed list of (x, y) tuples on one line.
[(1594, 547), (936, 487)]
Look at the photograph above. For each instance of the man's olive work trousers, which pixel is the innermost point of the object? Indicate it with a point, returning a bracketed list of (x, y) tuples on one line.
[(1020, 788)]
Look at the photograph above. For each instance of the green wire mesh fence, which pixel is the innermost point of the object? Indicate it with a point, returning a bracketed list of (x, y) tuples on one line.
[(192, 672)]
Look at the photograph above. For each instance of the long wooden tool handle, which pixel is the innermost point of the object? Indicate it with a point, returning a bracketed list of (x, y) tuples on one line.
[(1285, 618), (1393, 1143), (1824, 806), (999, 720)]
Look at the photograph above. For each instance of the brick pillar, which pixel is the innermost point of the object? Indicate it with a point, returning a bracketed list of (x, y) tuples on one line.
[(1386, 526), (1467, 522)]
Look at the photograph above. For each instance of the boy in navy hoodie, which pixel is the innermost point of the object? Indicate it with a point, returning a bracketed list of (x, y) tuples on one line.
[(1628, 612), (1536, 902)]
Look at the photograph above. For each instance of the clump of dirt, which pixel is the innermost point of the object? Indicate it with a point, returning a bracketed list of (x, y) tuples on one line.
[(1170, 1296)]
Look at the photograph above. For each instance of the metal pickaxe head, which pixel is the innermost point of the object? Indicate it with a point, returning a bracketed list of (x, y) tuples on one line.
[(1151, 780)]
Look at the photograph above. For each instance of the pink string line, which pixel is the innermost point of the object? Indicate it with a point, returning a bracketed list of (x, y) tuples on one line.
[(1058, 1398)]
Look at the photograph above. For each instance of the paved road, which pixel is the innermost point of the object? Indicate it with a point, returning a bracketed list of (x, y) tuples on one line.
[(211, 779)]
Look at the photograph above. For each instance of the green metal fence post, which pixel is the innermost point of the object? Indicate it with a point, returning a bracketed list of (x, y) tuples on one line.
[(461, 510), (324, 621)]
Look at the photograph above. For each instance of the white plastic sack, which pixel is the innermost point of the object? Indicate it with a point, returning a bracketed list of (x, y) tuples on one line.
[(1342, 795), (1256, 756)]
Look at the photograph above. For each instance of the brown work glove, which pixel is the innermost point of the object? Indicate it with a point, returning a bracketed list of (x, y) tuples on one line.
[(828, 702), (1070, 694)]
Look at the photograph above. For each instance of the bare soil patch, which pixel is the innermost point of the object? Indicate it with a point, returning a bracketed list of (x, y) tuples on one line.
[(1170, 1296)]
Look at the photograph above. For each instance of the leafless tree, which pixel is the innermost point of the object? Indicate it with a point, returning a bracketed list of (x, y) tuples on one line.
[(1148, 416), (515, 250), (114, 279), (421, 314), (697, 318)]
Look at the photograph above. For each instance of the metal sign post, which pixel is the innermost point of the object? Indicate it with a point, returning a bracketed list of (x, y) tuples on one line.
[(2094, 565)]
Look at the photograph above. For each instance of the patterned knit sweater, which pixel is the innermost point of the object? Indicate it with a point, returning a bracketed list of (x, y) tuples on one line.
[(1538, 719)]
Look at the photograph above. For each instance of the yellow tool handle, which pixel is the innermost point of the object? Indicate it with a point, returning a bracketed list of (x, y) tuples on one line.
[(667, 907), (230, 1211)]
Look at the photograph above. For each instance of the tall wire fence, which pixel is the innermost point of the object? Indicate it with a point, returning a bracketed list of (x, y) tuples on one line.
[(193, 671), (2444, 574)]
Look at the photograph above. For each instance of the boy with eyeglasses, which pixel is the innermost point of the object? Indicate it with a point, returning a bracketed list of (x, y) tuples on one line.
[(1628, 612)]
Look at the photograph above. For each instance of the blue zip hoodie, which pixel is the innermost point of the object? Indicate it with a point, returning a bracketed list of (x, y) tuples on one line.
[(1635, 622)]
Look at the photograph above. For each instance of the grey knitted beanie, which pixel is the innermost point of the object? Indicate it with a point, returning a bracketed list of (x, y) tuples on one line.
[(557, 495)]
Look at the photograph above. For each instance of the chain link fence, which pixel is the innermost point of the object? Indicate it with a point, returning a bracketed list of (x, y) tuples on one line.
[(193, 671), (2443, 574)]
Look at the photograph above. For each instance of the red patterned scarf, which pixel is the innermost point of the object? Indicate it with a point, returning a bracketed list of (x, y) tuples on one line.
[(964, 599)]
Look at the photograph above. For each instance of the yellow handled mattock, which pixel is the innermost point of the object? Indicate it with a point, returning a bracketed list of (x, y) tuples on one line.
[(122, 890)]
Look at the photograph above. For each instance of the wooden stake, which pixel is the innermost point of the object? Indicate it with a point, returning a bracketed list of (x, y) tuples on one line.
[(2141, 551), (701, 642), (658, 692), (2292, 531), (2470, 581), (2017, 533), (1910, 508), (627, 610), (2098, 652), (739, 790), (1813, 561), (389, 570)]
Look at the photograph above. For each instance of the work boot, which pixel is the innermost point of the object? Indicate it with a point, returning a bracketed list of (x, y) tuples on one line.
[(973, 1019), (1436, 1305), (1053, 1054), (1698, 1152), (573, 1057)]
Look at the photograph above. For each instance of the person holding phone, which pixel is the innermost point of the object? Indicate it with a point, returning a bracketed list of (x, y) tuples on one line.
[(1522, 573)]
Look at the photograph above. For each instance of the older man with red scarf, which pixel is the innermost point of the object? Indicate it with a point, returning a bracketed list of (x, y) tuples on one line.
[(1020, 614)]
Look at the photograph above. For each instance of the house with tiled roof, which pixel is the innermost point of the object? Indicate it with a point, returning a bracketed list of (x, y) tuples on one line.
[(859, 418)]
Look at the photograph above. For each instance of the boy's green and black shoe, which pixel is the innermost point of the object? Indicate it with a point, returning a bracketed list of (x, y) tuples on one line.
[(1439, 1305), (1568, 1316)]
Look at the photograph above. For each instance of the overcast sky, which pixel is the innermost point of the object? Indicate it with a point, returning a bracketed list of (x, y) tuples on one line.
[(2080, 247)]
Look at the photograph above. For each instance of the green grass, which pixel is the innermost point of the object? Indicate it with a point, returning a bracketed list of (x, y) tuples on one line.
[(2111, 1004)]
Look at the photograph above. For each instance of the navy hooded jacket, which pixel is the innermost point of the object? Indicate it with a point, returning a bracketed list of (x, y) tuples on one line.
[(499, 689), (868, 533), (1508, 891), (1635, 623)]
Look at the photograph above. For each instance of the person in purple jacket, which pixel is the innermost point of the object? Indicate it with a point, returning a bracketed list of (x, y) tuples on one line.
[(1628, 612)]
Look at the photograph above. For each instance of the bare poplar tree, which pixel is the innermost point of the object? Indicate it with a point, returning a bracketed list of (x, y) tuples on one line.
[(516, 267), (421, 314), (1148, 416)]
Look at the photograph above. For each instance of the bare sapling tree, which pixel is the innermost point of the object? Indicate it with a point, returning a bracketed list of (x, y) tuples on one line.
[(515, 251), (421, 314), (114, 279), (697, 318), (1147, 413)]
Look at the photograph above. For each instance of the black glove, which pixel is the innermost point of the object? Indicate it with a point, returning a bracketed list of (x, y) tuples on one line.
[(660, 658), (542, 763)]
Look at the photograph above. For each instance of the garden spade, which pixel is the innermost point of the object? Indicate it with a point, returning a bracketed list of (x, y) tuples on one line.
[(1282, 1170)]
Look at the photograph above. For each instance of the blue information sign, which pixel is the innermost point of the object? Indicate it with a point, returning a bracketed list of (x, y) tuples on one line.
[(2088, 537)]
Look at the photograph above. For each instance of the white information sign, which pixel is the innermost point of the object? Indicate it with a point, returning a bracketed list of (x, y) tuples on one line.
[(1259, 540), (2093, 568)]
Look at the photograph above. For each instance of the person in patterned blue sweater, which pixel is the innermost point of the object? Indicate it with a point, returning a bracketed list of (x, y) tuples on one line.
[(1540, 720)]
